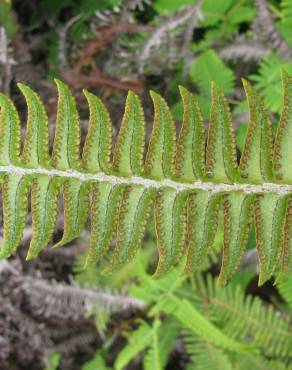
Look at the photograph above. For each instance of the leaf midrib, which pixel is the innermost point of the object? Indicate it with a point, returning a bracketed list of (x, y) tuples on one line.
[(281, 189)]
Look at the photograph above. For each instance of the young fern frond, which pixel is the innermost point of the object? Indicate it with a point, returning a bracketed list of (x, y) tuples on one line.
[(205, 356), (241, 317), (152, 341), (184, 184), (285, 289)]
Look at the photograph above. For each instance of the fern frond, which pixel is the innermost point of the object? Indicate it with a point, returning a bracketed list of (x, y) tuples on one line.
[(156, 341), (157, 355), (268, 80), (241, 317), (257, 362), (285, 21), (139, 340), (176, 302), (185, 184), (192, 319), (204, 355), (284, 287), (209, 67)]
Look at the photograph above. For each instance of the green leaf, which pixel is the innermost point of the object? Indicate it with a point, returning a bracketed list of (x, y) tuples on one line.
[(104, 216), (285, 23), (138, 341), (35, 152), (93, 6), (53, 361), (156, 357), (202, 224), (237, 209), (269, 232), (97, 146), (287, 239), (8, 19), (244, 318), (129, 150), (166, 7), (67, 135), (241, 133), (9, 132), (161, 151), (214, 11), (15, 190), (204, 355), (44, 203), (268, 80), (256, 362), (240, 13), (192, 319), (171, 228), (256, 160), (133, 215), (190, 155), (283, 142), (96, 363), (76, 205), (221, 161), (53, 8), (207, 68), (284, 287)]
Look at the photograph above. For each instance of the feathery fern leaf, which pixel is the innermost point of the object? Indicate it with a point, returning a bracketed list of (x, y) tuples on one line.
[(151, 340), (285, 22), (139, 340), (241, 317), (209, 67), (222, 316), (284, 287), (192, 319), (175, 303), (268, 80), (204, 355), (186, 184), (157, 355), (257, 362)]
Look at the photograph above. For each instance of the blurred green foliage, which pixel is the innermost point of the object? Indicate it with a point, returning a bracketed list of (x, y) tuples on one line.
[(53, 8), (7, 18), (53, 361), (166, 7), (268, 80)]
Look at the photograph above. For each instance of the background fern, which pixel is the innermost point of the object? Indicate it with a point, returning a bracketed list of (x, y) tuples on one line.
[(268, 80)]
